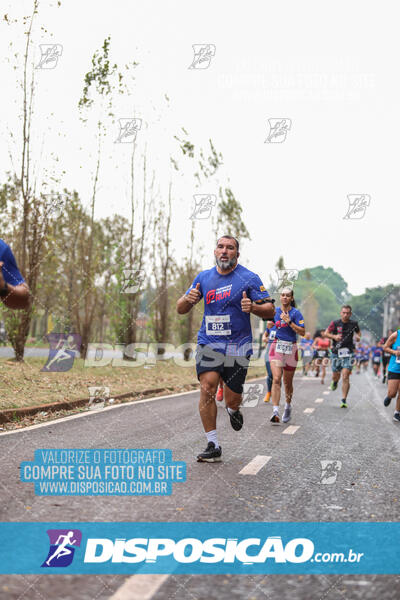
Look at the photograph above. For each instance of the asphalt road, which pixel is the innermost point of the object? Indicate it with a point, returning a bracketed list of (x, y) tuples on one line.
[(363, 438)]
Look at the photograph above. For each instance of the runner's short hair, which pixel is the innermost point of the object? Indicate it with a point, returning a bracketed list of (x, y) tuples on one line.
[(229, 237), (347, 306)]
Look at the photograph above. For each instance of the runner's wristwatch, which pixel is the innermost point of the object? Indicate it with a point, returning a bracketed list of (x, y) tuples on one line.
[(4, 290)]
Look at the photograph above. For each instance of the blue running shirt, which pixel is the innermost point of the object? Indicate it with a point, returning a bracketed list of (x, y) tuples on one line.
[(224, 324), (394, 363), (283, 330)]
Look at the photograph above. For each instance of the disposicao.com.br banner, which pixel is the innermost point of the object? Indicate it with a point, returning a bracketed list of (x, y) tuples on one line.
[(200, 548)]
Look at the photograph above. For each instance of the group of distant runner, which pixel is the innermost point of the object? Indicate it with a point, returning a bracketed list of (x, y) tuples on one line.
[(231, 293), (316, 355)]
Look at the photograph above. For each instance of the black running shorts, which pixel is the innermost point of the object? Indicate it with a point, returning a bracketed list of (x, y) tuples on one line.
[(392, 375), (233, 369)]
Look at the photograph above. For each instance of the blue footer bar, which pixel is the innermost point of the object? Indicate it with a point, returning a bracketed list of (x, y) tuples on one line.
[(200, 548)]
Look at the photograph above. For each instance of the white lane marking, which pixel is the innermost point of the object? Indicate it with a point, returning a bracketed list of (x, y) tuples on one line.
[(319, 400), (356, 582), (139, 587), (325, 393), (255, 465), (291, 429), (308, 411), (94, 412)]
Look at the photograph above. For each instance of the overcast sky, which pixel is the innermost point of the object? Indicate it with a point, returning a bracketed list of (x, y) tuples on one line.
[(331, 68)]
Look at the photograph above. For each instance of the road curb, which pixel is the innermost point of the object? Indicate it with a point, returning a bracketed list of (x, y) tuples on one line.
[(8, 415)]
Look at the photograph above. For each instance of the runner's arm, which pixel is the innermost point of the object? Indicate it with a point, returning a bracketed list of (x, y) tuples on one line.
[(188, 300), (183, 305), (265, 337), (388, 345), (297, 328), (263, 308), (331, 336), (17, 297)]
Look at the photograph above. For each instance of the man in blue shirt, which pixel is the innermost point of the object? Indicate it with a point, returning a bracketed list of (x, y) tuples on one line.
[(14, 292), (231, 292)]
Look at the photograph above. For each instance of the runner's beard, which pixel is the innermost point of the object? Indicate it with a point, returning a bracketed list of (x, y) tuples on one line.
[(226, 264)]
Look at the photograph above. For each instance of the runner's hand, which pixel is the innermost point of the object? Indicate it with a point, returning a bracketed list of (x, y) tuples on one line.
[(285, 317), (337, 337), (246, 303), (194, 295), (397, 352)]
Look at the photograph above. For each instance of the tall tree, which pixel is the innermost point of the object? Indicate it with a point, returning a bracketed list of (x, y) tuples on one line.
[(97, 97), (30, 208)]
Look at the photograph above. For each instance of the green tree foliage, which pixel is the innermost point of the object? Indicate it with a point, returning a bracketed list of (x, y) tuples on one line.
[(327, 287), (230, 220), (368, 308)]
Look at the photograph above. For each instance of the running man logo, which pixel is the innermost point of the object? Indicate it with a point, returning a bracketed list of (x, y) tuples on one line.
[(98, 396), (286, 277), (49, 55), (203, 205), (128, 129), (54, 204), (132, 280), (63, 348), (252, 392), (358, 204), (203, 54), (278, 130), (62, 547), (330, 470)]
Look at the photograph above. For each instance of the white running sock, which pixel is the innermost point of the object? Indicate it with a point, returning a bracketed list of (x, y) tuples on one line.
[(231, 411), (212, 437), (287, 405), (276, 409)]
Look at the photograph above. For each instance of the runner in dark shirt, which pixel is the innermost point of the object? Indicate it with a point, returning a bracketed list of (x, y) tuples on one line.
[(341, 332)]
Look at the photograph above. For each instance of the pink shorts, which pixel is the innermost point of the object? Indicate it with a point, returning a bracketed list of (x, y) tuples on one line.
[(287, 361)]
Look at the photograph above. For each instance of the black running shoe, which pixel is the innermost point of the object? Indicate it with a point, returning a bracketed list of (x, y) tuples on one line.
[(275, 419), (384, 379), (396, 416), (387, 401), (236, 420), (344, 403), (210, 454)]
